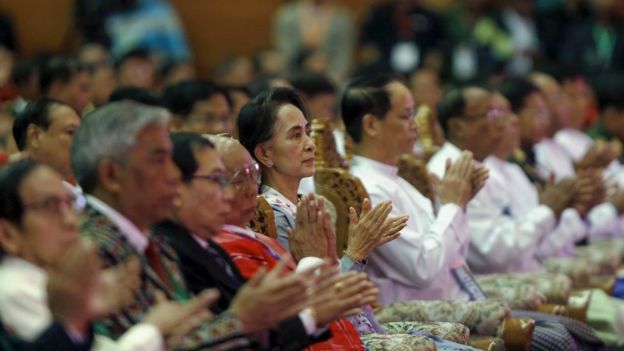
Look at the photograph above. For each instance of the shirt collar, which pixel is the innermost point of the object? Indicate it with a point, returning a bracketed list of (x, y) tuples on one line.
[(274, 197), (361, 161), (22, 265), (450, 148), (138, 239), (203, 243), (239, 230)]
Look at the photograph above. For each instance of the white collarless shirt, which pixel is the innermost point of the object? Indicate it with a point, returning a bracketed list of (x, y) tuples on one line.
[(499, 242), (417, 264)]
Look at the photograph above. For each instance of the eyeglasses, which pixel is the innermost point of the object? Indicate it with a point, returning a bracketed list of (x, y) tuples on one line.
[(58, 205), (246, 175), (492, 115), (221, 179)]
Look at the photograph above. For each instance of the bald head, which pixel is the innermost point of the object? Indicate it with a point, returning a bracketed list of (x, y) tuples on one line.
[(545, 83), (232, 153)]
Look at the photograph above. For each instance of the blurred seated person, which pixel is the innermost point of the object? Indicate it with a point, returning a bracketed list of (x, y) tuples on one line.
[(97, 58), (595, 44), (136, 68), (191, 230), (121, 157), (235, 70), (239, 96), (199, 106), (474, 120), (67, 80), (265, 82), (319, 93), (318, 26), (25, 78), (141, 95), (542, 158), (521, 197), (40, 236), (172, 72), (269, 61), (402, 35), (44, 132)]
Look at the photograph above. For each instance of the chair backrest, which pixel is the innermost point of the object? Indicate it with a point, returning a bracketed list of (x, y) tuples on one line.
[(414, 171), (326, 153), (263, 221), (425, 121)]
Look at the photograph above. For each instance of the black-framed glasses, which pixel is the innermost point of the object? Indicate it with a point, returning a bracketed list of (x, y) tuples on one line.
[(220, 179), (246, 175), (58, 205)]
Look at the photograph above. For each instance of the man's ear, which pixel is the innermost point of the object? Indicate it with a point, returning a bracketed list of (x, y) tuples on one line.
[(264, 155), (10, 238), (455, 128), (109, 175), (175, 123), (370, 125), (33, 133)]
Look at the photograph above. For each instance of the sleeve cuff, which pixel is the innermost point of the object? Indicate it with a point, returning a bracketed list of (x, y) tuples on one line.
[(309, 323)]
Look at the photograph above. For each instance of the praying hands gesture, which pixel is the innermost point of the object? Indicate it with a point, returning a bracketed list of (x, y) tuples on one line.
[(314, 234), (558, 196), (372, 229), (462, 180)]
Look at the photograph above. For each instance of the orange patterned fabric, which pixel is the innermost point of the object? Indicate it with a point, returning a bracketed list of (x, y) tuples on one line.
[(249, 254)]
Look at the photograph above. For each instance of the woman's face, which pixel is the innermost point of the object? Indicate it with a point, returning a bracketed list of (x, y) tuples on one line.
[(291, 149)]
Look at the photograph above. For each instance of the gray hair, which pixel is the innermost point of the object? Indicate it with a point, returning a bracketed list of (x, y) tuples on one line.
[(110, 132)]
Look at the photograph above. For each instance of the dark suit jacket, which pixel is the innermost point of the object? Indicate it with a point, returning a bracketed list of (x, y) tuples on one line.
[(202, 272), (52, 339)]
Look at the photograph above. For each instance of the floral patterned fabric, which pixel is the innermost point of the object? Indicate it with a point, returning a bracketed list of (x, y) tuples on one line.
[(606, 254), (455, 332), (579, 270), (556, 287), (398, 342), (481, 317)]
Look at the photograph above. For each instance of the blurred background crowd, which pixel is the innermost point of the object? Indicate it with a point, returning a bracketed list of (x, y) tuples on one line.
[(254, 44)]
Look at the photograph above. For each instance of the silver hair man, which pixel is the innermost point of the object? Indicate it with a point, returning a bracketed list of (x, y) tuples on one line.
[(110, 132)]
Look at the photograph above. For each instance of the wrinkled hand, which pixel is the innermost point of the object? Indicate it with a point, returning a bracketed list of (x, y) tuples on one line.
[(176, 319), (313, 234), (268, 298), (372, 229), (558, 196), (456, 185), (340, 295)]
